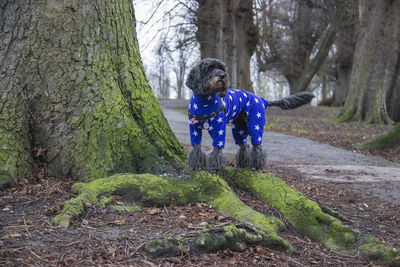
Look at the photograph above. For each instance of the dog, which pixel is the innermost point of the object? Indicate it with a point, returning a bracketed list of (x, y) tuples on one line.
[(214, 104)]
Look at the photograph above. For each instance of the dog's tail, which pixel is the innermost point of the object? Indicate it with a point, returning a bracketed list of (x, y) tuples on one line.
[(293, 101)]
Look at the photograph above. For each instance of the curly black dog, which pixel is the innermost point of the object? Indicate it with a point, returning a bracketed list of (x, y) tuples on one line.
[(213, 105)]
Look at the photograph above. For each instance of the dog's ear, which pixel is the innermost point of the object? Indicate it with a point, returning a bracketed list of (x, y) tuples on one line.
[(192, 80)]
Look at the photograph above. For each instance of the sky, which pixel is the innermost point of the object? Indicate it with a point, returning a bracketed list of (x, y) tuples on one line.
[(149, 16)]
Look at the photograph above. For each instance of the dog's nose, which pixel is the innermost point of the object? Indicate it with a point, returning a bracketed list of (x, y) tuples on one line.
[(221, 74)]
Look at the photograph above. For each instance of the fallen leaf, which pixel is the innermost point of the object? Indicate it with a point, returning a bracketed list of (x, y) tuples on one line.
[(153, 211)]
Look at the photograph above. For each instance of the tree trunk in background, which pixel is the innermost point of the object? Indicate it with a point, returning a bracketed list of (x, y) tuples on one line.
[(346, 41), (74, 93), (374, 82), (226, 31)]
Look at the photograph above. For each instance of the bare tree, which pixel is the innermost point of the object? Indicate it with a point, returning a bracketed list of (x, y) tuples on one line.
[(226, 30), (296, 37)]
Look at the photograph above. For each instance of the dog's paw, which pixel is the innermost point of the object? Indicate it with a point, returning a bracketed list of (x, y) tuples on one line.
[(216, 160), (243, 156), (197, 159), (258, 158)]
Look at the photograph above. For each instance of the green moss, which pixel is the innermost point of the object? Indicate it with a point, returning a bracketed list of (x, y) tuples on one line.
[(303, 214), (128, 208), (72, 208), (169, 246), (374, 249), (154, 190), (389, 139), (104, 201), (237, 238), (346, 116)]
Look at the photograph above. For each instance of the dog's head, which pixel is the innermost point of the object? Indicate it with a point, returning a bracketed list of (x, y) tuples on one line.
[(208, 76)]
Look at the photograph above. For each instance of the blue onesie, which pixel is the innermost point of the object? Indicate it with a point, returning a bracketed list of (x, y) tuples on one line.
[(207, 112)]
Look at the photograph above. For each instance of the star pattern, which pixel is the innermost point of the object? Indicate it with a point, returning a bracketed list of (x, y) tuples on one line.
[(235, 102)]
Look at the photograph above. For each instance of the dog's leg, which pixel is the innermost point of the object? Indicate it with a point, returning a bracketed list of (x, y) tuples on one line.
[(243, 156), (197, 158), (258, 158), (216, 160)]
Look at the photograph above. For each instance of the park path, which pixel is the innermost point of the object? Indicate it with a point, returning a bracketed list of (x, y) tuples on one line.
[(313, 159)]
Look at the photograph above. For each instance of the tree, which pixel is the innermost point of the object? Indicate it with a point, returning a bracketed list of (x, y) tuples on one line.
[(73, 90), (75, 93), (296, 37), (225, 30), (374, 88), (345, 44)]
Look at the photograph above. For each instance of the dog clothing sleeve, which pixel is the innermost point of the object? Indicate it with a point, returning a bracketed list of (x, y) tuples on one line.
[(195, 132)]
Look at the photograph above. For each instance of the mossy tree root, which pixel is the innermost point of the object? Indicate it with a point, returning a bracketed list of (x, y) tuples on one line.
[(307, 217), (155, 190), (303, 214), (389, 139)]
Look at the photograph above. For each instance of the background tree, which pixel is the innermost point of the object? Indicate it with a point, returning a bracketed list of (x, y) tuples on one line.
[(345, 44), (374, 88), (225, 30), (296, 37), (73, 90)]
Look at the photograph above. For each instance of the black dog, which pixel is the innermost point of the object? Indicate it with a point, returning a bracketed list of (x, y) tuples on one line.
[(213, 105)]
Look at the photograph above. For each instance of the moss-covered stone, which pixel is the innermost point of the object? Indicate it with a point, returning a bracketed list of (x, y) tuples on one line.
[(389, 139), (236, 238), (169, 246)]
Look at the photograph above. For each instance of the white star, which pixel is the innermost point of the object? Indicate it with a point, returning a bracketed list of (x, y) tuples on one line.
[(209, 97), (195, 106), (234, 113), (211, 119), (248, 103), (241, 132), (221, 132), (195, 133), (216, 101), (257, 127), (258, 115), (230, 97), (245, 95), (234, 107), (204, 106), (256, 100), (263, 106), (219, 119), (259, 139), (240, 99), (220, 144)]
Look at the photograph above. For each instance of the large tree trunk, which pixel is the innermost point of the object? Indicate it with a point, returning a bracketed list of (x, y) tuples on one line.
[(226, 31), (375, 73), (74, 93)]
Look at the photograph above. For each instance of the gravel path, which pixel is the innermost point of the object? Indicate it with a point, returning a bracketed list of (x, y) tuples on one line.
[(313, 159)]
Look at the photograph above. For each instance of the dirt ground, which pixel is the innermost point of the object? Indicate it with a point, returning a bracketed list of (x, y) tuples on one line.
[(104, 237)]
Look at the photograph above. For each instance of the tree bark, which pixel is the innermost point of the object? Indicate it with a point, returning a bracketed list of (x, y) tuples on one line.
[(374, 80), (346, 41), (73, 91), (226, 31)]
